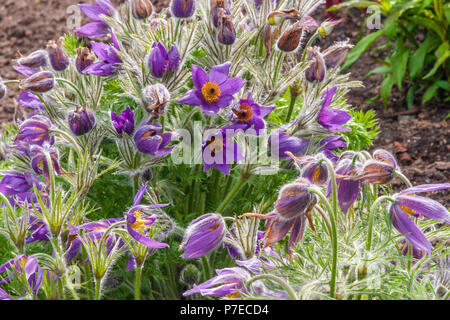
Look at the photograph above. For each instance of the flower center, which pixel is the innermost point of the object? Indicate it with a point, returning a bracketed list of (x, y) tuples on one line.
[(139, 224), (214, 227), (23, 261), (410, 211), (215, 145), (316, 175), (244, 113), (211, 91)]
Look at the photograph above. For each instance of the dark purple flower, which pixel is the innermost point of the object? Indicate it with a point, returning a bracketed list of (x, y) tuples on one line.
[(248, 114), (280, 143), (39, 230), (27, 99), (214, 91), (27, 264), (109, 63), (316, 172), (347, 190), (183, 8), (30, 64), (138, 224), (81, 120), (42, 81), (35, 130), (59, 59), (332, 119), (294, 200), (216, 6), (160, 61), (39, 161), (330, 143), (15, 183), (219, 151), (203, 235), (226, 33), (229, 281), (149, 140), (407, 204), (97, 28), (124, 122)]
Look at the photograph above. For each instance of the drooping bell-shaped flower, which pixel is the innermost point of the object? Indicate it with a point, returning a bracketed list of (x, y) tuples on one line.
[(203, 235), (228, 281), (35, 130), (28, 267), (161, 61), (84, 59), (30, 64), (17, 183), (213, 91), (42, 81), (332, 119), (59, 59), (81, 120), (408, 204), (124, 122), (280, 143), (150, 140), (182, 8), (317, 69), (336, 54), (316, 172), (39, 161), (97, 28), (276, 18), (294, 200)]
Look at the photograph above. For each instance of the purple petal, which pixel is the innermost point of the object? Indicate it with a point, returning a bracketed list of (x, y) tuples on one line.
[(426, 188), (231, 86), (95, 29), (191, 98), (219, 73), (424, 206), (199, 76), (139, 195)]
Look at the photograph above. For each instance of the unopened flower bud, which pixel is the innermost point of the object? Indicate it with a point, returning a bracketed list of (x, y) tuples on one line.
[(290, 39), (276, 18), (294, 199), (327, 27), (267, 37), (317, 69), (3, 90), (39, 82), (190, 275), (84, 59), (336, 54), (227, 33), (156, 96), (215, 6), (35, 59), (141, 9), (147, 175), (81, 121), (183, 8), (59, 59)]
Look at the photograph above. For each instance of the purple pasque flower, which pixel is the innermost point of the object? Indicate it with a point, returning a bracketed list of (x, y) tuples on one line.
[(39, 230), (35, 131), (407, 204), (235, 251), (316, 171), (39, 161), (109, 63), (41, 81), (380, 170), (332, 119), (138, 224), (124, 122), (28, 99), (81, 120), (17, 183), (331, 143), (4, 295), (248, 114), (20, 264), (30, 64), (160, 61), (227, 282), (203, 235), (347, 190), (97, 28), (150, 140), (280, 143), (212, 91), (219, 150), (183, 8)]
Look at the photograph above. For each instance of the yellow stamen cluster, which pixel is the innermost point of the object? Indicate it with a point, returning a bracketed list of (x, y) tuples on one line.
[(409, 211), (211, 92), (244, 113), (316, 175), (139, 224)]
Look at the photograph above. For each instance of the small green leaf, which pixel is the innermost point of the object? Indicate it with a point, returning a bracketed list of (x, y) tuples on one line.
[(399, 63), (360, 47), (386, 88), (429, 94)]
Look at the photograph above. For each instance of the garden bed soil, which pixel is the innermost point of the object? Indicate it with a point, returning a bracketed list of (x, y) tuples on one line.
[(419, 138)]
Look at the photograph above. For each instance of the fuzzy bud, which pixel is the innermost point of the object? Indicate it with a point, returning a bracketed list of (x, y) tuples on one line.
[(276, 18), (156, 96), (290, 39), (317, 69), (190, 275), (294, 199), (141, 9), (39, 82), (59, 59), (84, 59), (336, 54), (327, 27), (35, 59), (267, 37), (215, 6), (227, 33), (183, 8), (81, 121)]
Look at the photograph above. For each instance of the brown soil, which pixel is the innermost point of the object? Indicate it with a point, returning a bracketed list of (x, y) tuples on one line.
[(420, 140)]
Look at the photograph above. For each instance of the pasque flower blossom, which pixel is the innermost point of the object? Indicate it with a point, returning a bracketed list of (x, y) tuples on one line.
[(150, 140), (332, 119), (35, 130), (39, 161), (160, 61), (183, 8), (97, 28), (280, 143), (124, 122), (213, 91), (408, 204), (21, 264), (203, 235), (109, 63)]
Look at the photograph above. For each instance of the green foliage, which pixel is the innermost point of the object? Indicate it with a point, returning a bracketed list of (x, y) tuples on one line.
[(418, 47), (364, 127), (71, 43)]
